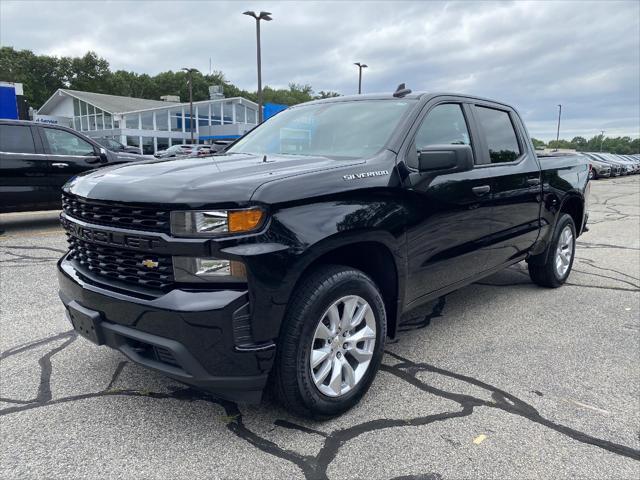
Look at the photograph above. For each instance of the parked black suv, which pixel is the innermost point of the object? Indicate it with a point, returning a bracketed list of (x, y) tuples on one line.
[(36, 160), (290, 258)]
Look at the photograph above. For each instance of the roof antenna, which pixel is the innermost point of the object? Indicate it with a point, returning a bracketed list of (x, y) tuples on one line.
[(401, 91)]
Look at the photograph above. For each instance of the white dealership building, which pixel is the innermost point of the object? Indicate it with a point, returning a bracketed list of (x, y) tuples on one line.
[(151, 125)]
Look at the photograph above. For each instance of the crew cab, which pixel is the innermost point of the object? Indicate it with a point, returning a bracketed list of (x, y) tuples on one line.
[(36, 160), (289, 259)]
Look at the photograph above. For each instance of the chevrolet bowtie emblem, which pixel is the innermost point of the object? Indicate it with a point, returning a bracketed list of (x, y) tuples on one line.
[(150, 263)]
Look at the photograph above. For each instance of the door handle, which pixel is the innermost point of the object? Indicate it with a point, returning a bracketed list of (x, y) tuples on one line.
[(481, 190), (60, 164), (533, 181)]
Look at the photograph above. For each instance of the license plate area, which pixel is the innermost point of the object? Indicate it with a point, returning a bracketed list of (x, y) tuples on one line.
[(86, 322)]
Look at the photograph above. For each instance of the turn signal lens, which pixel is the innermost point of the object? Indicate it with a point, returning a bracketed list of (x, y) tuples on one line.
[(244, 220)]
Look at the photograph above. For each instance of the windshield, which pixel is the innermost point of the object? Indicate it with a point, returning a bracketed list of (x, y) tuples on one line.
[(341, 129)]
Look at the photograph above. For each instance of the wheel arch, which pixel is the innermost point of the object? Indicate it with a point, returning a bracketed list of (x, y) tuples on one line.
[(573, 204), (375, 255)]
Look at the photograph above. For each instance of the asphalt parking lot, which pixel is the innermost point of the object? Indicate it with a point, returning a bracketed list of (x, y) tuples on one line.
[(501, 379)]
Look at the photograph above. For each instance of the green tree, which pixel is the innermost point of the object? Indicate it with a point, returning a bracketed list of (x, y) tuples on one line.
[(537, 144), (328, 94), (89, 73), (42, 75), (579, 143)]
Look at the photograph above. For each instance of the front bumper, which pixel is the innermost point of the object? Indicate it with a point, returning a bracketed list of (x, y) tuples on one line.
[(190, 336)]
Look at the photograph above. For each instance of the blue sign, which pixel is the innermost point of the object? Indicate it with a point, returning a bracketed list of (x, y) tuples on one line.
[(270, 109), (8, 102)]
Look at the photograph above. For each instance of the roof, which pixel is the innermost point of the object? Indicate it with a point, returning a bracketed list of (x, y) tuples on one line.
[(116, 104), (195, 104), (412, 96), (108, 103)]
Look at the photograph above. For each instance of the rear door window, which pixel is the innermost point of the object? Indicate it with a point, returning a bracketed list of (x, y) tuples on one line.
[(16, 139), (62, 142), (500, 135)]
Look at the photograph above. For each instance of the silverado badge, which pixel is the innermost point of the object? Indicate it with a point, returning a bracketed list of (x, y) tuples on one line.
[(150, 263), (355, 176)]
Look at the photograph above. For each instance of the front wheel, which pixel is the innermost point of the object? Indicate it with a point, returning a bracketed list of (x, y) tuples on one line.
[(557, 266), (331, 344)]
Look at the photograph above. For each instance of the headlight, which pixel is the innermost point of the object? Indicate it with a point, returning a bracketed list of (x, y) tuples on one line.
[(216, 222), (198, 270)]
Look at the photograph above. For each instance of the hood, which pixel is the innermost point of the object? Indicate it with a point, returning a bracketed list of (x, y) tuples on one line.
[(195, 181)]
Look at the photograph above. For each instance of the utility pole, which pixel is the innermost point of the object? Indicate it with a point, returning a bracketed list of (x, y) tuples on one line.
[(190, 79), (558, 133), (266, 16), (601, 139), (360, 67)]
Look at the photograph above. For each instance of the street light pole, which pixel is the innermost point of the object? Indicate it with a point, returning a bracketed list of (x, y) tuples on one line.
[(601, 139), (360, 67), (267, 17), (190, 79), (558, 133)]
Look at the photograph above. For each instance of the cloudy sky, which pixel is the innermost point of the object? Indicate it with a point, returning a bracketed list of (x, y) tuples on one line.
[(535, 55)]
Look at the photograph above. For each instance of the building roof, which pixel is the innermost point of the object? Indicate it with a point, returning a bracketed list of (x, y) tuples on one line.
[(108, 103), (116, 104)]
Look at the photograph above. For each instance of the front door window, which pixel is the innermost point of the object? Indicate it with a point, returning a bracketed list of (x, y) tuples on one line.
[(62, 142)]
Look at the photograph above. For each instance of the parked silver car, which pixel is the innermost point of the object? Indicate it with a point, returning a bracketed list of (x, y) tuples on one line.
[(175, 151)]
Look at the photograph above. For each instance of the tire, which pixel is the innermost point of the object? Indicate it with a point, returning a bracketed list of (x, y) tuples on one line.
[(555, 270), (294, 376)]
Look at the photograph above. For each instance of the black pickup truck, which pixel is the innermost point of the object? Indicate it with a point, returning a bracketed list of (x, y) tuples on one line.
[(288, 260)]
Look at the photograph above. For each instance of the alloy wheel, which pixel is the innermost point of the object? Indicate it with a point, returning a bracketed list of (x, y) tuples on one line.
[(342, 346), (564, 251)]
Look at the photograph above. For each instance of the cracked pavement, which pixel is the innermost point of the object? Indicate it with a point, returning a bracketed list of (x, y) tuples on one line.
[(501, 379)]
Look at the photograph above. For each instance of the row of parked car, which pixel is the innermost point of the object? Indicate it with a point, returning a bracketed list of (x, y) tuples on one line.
[(183, 150), (604, 165), (188, 150)]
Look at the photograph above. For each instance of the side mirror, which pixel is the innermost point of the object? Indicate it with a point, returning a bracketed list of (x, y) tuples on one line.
[(100, 156), (445, 158)]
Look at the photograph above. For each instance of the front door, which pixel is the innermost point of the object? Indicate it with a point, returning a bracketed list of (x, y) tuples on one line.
[(450, 215), (69, 155)]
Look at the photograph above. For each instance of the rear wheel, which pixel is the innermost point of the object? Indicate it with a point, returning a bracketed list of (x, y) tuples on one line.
[(332, 342), (557, 266)]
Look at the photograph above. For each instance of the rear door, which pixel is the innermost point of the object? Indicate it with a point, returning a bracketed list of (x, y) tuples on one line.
[(69, 154), (449, 214), (513, 167), (24, 169)]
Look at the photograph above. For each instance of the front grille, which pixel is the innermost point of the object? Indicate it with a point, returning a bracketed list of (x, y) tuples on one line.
[(121, 265), (114, 215)]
